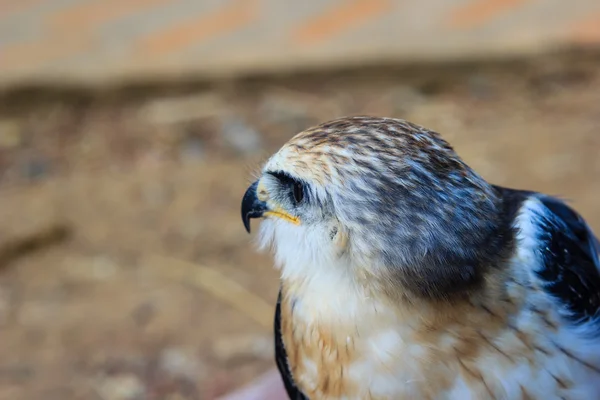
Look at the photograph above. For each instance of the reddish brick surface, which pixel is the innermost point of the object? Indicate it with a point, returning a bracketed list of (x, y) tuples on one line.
[(96, 40)]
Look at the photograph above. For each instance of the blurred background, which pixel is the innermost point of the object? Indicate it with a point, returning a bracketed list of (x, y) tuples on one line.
[(130, 129)]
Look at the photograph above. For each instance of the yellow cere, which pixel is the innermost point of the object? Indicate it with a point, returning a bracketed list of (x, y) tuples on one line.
[(283, 215)]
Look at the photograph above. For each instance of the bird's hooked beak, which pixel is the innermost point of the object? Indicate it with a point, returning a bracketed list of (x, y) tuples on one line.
[(253, 207)]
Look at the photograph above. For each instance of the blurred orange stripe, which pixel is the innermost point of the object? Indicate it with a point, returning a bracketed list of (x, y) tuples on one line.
[(340, 19), (39, 52), (92, 14), (235, 15), (587, 31), (479, 12)]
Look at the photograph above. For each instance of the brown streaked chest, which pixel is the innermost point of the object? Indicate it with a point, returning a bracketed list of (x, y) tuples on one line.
[(382, 356), (319, 356), (331, 358)]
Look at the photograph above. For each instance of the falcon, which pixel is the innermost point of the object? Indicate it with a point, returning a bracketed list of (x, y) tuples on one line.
[(406, 275)]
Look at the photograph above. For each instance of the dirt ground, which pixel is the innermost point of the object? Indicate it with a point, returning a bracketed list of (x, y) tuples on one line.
[(120, 211)]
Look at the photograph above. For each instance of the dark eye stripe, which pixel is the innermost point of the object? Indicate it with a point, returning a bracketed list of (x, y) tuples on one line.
[(283, 177)]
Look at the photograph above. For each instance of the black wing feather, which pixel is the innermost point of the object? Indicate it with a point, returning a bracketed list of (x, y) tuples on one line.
[(570, 269), (281, 358)]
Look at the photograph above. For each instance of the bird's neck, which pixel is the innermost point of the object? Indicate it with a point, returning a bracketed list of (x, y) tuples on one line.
[(340, 300), (323, 294), (344, 311)]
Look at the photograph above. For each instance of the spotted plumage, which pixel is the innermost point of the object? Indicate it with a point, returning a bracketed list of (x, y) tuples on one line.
[(404, 274)]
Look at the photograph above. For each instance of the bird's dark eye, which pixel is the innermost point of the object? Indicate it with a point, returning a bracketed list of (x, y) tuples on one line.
[(288, 181), (298, 192)]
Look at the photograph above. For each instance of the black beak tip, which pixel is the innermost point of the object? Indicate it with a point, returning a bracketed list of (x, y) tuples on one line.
[(251, 207), (246, 220)]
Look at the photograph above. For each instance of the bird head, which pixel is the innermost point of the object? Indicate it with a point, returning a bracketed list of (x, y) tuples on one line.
[(378, 201)]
